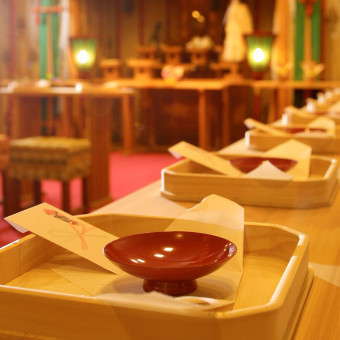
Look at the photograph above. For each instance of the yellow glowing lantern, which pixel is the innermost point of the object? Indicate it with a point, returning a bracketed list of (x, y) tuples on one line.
[(84, 53), (259, 47)]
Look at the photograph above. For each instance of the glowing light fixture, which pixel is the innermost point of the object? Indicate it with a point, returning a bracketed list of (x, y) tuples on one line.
[(198, 16), (84, 54), (259, 47)]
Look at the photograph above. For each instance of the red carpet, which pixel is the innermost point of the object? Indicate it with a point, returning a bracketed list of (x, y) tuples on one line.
[(127, 174)]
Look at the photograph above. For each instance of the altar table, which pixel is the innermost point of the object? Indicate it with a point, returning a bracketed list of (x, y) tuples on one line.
[(320, 316)]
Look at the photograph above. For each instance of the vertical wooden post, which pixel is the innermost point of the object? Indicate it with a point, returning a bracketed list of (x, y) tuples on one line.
[(118, 28), (141, 22), (226, 118), (204, 122)]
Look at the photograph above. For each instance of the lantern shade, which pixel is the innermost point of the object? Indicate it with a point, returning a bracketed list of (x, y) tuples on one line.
[(259, 47), (84, 53)]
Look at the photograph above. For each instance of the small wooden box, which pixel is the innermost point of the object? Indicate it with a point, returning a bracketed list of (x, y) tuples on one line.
[(36, 302), (147, 52), (258, 140), (189, 181), (111, 68), (172, 54), (199, 56), (143, 68)]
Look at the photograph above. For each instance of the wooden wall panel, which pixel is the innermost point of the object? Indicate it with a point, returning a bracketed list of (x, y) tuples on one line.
[(5, 19), (332, 39)]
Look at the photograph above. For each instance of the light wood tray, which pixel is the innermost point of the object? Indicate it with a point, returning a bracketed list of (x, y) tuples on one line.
[(189, 181), (258, 140), (288, 118), (35, 302)]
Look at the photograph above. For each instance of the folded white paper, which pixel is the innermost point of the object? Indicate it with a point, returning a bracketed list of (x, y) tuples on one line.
[(297, 151), (334, 110), (268, 171), (214, 215), (321, 123)]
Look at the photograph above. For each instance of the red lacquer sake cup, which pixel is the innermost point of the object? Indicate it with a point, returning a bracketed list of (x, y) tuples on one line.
[(170, 261), (247, 164)]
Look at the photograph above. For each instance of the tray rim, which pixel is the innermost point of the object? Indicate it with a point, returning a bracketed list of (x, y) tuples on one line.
[(329, 180), (286, 116), (273, 304), (311, 141), (333, 163), (291, 299)]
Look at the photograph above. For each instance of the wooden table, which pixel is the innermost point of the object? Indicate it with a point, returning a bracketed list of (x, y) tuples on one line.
[(202, 86), (281, 98), (88, 103), (320, 316)]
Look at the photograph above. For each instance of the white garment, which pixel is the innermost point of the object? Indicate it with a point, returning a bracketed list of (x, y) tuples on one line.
[(238, 21)]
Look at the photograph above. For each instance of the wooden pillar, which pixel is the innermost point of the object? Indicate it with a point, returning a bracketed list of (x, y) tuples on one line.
[(118, 28), (204, 122), (141, 23), (98, 115)]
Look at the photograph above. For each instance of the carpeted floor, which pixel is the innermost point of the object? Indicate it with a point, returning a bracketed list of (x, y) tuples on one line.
[(127, 174)]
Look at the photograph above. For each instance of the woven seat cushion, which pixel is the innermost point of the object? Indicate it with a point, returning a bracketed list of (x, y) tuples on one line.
[(58, 158), (4, 155)]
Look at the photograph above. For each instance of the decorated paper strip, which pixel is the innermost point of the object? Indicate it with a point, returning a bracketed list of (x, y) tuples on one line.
[(66, 231)]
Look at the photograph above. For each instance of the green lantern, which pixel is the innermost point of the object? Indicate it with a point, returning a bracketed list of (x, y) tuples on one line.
[(259, 47), (84, 53)]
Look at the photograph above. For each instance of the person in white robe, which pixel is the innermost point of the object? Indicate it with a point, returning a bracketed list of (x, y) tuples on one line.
[(238, 21)]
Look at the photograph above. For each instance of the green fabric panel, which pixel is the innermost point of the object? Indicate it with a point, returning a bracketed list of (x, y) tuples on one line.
[(299, 38), (299, 99), (43, 53), (43, 36), (42, 41), (55, 31), (316, 31), (299, 35)]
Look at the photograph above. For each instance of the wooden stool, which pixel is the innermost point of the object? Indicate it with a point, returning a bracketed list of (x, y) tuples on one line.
[(4, 160), (54, 158)]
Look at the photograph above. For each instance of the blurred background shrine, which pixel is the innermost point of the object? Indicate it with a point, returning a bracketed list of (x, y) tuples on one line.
[(130, 33)]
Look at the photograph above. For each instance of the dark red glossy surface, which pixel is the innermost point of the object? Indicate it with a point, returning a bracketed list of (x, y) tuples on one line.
[(170, 261), (320, 112), (306, 130), (247, 164)]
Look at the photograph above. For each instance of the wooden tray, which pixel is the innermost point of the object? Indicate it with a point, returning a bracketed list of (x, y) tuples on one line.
[(289, 118), (189, 181), (258, 140), (35, 302), (286, 124)]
